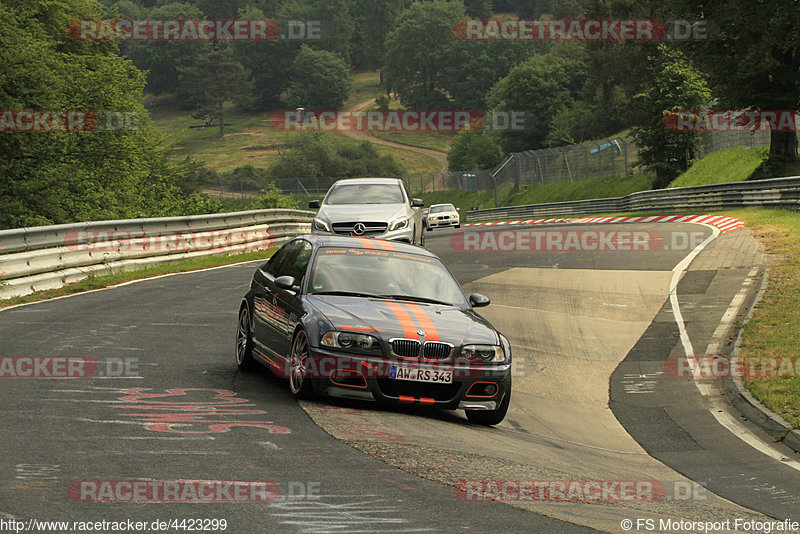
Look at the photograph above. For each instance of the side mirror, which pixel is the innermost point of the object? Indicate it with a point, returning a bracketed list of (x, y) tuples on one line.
[(477, 300), (287, 282), (417, 203), (458, 209), (313, 204)]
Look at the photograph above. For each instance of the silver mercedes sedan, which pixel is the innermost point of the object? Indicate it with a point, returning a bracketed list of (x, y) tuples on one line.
[(379, 208)]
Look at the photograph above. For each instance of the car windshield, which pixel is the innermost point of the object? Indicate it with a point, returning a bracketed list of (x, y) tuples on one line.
[(443, 207), (365, 194), (364, 272)]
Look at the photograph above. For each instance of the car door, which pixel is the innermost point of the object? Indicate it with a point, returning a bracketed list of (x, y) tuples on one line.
[(265, 317), (281, 307), (289, 302)]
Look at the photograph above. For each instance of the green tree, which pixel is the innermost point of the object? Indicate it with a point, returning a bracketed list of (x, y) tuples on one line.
[(753, 58), (320, 80), (272, 197), (475, 66), (59, 177), (319, 154), (472, 151), (215, 79), (374, 20), (337, 23), (268, 62), (419, 52), (161, 59), (676, 85), (540, 86), (478, 9)]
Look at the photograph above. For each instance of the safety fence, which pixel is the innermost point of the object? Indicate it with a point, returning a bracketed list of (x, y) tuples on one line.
[(772, 193), (46, 257)]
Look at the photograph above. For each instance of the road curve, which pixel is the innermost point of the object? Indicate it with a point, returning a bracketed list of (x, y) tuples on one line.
[(577, 321), (573, 317), (182, 412)]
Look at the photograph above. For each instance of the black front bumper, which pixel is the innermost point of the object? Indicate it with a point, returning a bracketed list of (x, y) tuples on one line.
[(369, 378)]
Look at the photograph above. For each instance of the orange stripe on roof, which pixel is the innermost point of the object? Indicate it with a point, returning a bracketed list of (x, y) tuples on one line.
[(385, 245), (367, 243), (405, 320), (424, 321)]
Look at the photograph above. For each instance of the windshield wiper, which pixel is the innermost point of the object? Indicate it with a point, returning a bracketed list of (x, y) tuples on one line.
[(414, 299), (344, 293)]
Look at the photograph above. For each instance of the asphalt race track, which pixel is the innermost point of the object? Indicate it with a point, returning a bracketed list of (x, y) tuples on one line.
[(591, 332)]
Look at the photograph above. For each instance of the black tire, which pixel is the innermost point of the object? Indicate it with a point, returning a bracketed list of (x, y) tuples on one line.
[(300, 387), (244, 342), (458, 226), (490, 417)]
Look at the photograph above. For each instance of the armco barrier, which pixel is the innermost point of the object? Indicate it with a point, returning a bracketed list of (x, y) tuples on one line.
[(45, 257), (772, 193)]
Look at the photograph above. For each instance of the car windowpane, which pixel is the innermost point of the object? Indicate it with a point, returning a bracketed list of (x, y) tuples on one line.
[(277, 261), (384, 273), (365, 194), (446, 207), (297, 261)]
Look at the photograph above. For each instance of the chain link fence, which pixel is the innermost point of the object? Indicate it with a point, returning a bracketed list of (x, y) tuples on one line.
[(713, 141), (571, 163)]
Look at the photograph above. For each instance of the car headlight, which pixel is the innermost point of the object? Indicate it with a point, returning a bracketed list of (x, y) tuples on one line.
[(399, 224), (349, 341), (431, 218), (321, 224), (487, 353)]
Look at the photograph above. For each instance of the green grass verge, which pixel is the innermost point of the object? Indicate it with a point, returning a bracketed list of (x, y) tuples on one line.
[(732, 165), (110, 279), (542, 193), (772, 331)]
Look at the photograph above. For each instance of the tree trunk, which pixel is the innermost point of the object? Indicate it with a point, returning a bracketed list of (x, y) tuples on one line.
[(783, 144), (221, 114)]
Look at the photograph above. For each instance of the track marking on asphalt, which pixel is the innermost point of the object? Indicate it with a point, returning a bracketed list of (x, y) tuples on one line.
[(159, 438), (715, 405), (322, 514)]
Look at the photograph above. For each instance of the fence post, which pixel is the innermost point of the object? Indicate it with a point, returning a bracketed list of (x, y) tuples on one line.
[(624, 146)]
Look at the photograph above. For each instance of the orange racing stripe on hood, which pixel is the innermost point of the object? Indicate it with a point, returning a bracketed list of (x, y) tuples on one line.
[(405, 320), (424, 320)]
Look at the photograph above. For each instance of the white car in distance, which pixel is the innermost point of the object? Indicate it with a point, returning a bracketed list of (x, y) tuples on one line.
[(442, 216)]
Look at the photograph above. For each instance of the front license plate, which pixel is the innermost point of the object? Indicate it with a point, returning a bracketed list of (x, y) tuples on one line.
[(421, 374)]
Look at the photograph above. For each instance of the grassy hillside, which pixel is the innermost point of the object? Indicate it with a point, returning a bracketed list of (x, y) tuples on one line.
[(250, 139), (537, 194), (732, 165)]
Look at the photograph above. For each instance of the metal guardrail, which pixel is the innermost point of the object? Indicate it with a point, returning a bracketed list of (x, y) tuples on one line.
[(45, 257), (771, 193)]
